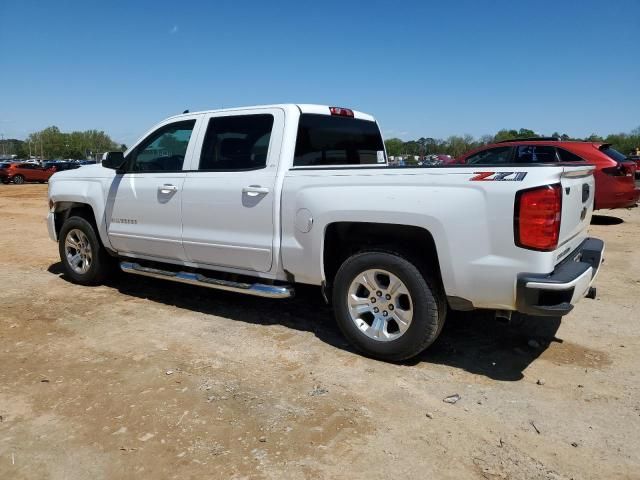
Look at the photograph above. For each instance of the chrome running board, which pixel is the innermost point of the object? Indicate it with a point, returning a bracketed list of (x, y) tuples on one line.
[(257, 289)]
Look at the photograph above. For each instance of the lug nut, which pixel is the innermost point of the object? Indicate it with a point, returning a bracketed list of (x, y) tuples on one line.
[(387, 296), (376, 309), (385, 313), (391, 307), (379, 293), (373, 299)]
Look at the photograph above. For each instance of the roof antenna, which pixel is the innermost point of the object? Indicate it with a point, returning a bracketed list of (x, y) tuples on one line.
[(186, 111)]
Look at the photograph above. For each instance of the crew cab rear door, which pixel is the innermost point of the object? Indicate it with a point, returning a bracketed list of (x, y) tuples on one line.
[(228, 204), (578, 189)]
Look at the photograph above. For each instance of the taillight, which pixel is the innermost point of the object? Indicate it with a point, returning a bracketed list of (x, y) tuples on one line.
[(537, 217), (621, 170), (341, 112), (614, 171)]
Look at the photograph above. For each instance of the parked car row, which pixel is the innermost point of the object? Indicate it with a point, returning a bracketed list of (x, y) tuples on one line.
[(614, 175), (22, 172)]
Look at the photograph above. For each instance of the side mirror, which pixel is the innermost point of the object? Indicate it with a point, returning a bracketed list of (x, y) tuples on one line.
[(113, 160)]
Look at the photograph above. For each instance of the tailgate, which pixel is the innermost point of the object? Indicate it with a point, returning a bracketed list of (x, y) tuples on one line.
[(578, 189)]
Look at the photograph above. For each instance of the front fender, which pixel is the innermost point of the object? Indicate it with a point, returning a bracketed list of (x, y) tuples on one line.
[(86, 192)]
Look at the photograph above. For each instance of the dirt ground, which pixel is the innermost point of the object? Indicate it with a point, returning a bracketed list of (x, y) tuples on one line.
[(144, 378)]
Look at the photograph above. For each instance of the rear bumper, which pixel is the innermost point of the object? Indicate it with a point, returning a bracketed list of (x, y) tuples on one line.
[(555, 294)]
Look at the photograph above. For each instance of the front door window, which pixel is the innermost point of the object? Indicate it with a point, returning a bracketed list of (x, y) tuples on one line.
[(164, 150)]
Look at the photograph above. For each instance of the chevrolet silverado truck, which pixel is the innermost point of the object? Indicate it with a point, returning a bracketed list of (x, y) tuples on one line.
[(256, 200)]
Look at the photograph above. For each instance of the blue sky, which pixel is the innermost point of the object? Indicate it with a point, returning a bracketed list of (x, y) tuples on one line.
[(422, 68)]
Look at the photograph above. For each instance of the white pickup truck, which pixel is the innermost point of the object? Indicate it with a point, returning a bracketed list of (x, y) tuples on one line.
[(255, 200)]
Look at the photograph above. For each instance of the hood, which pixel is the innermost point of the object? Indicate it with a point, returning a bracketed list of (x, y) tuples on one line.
[(84, 172)]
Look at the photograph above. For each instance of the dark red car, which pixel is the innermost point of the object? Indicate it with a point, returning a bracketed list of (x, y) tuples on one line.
[(614, 174), (636, 159), (20, 173)]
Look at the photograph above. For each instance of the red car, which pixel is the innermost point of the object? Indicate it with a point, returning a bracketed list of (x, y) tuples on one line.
[(19, 173), (614, 174)]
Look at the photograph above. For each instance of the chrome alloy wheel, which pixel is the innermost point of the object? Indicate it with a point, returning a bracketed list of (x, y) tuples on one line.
[(77, 249), (380, 305)]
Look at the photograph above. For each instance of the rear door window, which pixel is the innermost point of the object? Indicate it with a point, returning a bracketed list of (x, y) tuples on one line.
[(327, 140), (535, 154), (492, 156), (567, 156), (238, 142)]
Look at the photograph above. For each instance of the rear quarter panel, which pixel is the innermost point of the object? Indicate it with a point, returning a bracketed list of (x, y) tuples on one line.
[(470, 221)]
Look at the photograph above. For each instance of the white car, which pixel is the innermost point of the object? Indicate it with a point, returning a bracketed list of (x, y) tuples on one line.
[(258, 199)]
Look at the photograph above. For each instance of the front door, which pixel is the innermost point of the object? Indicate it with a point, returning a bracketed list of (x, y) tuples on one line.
[(144, 204), (228, 200)]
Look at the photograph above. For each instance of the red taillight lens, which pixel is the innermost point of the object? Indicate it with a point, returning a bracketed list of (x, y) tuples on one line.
[(341, 112), (616, 171), (537, 217), (623, 169)]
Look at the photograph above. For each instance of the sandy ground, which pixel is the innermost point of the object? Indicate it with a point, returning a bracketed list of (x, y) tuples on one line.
[(143, 378)]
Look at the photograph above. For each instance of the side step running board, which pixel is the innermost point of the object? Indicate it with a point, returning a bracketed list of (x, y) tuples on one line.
[(257, 289)]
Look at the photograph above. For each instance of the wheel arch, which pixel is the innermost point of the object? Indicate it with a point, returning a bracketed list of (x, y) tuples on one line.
[(344, 239), (85, 198), (65, 209)]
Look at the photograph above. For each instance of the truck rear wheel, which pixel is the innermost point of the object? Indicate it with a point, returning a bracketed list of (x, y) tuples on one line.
[(386, 307), (84, 258)]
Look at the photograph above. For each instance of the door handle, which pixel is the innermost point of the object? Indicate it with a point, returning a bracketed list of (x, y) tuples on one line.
[(167, 188), (255, 190)]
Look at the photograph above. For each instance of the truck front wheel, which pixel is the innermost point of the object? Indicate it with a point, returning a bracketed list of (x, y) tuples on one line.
[(84, 258), (386, 307)]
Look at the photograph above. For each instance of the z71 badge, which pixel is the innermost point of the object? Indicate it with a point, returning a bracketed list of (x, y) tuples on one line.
[(498, 176)]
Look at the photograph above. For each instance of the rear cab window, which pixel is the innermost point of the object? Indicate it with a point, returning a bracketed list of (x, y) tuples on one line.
[(325, 140)]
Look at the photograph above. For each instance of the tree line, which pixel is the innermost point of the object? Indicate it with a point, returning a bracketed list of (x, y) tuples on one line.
[(51, 143), (457, 145)]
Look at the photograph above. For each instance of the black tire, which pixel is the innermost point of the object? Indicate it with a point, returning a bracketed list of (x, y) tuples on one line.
[(18, 179), (101, 265), (428, 303)]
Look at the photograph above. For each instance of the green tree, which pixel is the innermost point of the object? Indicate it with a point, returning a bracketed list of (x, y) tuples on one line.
[(394, 146), (52, 143), (526, 133)]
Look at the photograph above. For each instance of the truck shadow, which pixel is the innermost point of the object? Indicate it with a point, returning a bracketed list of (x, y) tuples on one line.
[(473, 341), (605, 220), (478, 343)]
